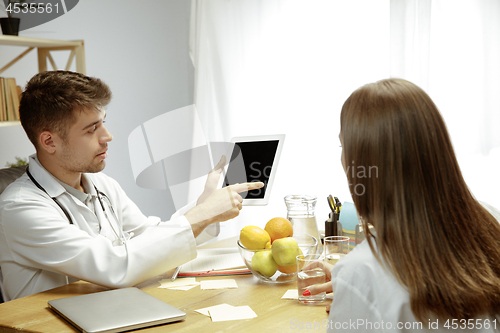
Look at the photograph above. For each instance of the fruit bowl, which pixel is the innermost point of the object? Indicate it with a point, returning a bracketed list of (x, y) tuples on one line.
[(306, 243)]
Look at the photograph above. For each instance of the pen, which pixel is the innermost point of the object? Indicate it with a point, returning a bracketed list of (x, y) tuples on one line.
[(177, 270), (330, 224), (338, 204)]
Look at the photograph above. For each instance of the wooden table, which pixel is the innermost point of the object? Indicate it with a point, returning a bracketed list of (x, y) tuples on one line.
[(31, 314)]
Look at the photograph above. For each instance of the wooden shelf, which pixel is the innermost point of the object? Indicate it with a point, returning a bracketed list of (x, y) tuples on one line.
[(37, 42), (10, 123), (44, 47)]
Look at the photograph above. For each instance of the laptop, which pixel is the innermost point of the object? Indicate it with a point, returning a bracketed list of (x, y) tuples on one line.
[(115, 311)]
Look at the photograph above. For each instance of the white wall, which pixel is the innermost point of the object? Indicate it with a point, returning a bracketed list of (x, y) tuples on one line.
[(140, 49), (8, 152)]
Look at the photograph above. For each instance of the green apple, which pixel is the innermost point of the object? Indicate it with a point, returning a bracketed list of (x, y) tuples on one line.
[(285, 250), (264, 263)]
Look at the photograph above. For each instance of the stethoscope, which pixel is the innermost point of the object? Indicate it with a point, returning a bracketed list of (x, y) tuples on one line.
[(100, 196)]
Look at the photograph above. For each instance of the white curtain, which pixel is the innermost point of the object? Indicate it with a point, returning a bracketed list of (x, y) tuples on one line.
[(287, 66), (452, 50)]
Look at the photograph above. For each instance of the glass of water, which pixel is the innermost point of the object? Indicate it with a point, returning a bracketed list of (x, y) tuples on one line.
[(308, 275), (336, 247)]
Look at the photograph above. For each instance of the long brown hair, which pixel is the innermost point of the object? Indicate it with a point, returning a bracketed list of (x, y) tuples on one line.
[(435, 237)]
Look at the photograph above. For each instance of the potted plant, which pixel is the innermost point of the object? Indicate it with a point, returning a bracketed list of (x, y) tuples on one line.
[(19, 162), (9, 24)]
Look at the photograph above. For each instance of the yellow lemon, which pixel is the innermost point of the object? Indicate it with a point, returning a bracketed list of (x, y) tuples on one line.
[(255, 238)]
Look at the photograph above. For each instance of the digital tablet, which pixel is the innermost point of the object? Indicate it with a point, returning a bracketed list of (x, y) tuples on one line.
[(254, 159)]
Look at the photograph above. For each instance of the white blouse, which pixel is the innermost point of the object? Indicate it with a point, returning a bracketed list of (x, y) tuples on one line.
[(368, 298)]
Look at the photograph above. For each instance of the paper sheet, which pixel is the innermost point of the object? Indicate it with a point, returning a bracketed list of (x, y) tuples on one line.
[(233, 313), (205, 311), (219, 284), (214, 259), (294, 294), (168, 283), (185, 288), (224, 312), (291, 294)]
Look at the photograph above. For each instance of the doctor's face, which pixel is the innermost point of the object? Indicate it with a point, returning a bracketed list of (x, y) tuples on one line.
[(86, 144)]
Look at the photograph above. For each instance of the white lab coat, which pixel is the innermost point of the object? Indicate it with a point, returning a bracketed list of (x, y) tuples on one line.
[(40, 249), (368, 298)]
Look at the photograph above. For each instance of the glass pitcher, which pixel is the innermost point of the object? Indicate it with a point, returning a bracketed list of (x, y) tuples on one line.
[(301, 212)]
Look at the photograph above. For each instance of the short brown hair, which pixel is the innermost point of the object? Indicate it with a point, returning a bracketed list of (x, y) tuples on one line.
[(50, 100)]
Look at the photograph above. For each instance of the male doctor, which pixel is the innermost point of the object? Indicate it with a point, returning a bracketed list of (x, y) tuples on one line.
[(64, 221)]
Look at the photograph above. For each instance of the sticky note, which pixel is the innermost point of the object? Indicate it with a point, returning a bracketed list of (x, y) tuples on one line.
[(234, 313), (218, 284), (205, 311), (168, 283), (185, 288), (291, 294)]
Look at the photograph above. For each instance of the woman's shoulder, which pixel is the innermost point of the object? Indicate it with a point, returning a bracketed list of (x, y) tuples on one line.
[(360, 258), (359, 267), (361, 271)]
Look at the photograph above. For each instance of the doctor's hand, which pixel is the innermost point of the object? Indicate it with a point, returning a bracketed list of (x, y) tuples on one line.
[(212, 180), (221, 205), (324, 287)]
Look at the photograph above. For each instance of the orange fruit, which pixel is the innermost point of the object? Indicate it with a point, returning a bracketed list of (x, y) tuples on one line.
[(279, 227), (255, 238), (292, 268)]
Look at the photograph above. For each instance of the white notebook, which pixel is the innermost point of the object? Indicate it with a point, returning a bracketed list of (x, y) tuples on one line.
[(214, 260), (115, 310)]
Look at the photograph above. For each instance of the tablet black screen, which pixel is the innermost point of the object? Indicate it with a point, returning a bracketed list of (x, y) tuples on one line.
[(251, 162)]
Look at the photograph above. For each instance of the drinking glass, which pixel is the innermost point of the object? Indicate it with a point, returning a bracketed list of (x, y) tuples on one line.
[(336, 247), (309, 275)]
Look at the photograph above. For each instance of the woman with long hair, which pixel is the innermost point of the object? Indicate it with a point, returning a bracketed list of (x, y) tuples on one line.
[(431, 258)]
